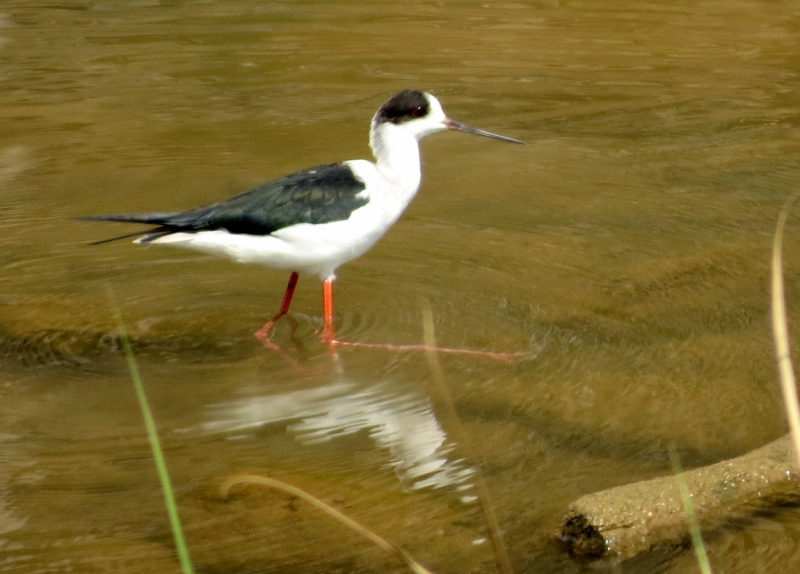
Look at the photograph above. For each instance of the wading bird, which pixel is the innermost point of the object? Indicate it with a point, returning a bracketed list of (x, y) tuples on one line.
[(314, 220)]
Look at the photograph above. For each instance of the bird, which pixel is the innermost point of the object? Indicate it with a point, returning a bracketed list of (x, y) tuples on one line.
[(317, 219)]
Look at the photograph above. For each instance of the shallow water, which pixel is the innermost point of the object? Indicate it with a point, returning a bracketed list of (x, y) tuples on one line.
[(624, 250)]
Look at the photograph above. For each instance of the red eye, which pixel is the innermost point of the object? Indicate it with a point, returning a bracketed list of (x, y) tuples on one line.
[(417, 112)]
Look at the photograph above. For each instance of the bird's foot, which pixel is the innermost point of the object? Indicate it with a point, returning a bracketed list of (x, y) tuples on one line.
[(263, 336), (328, 337)]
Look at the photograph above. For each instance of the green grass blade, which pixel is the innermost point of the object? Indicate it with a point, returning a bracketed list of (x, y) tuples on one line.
[(691, 516), (155, 447)]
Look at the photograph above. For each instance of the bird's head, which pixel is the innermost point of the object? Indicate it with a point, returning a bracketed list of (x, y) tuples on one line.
[(420, 114)]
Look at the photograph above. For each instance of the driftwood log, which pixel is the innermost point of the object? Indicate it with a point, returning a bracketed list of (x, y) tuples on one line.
[(621, 522)]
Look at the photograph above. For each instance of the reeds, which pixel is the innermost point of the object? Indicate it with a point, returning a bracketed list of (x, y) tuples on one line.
[(166, 485), (787, 382)]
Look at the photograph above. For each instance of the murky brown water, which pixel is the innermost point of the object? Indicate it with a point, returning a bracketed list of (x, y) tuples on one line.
[(626, 248)]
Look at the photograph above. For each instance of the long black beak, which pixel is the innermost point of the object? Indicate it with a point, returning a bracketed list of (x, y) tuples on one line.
[(454, 125)]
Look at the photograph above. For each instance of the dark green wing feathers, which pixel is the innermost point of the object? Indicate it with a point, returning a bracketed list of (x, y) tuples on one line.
[(320, 194)]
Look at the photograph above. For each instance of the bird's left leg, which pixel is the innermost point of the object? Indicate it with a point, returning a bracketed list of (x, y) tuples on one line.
[(263, 334)]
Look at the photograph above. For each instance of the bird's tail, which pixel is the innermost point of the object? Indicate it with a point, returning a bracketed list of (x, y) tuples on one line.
[(149, 218), (149, 235), (110, 239)]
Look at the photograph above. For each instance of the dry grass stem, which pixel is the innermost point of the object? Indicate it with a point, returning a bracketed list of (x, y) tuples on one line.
[(327, 509), (500, 551), (781, 330)]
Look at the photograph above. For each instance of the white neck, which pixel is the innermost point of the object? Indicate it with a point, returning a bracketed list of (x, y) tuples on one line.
[(397, 153)]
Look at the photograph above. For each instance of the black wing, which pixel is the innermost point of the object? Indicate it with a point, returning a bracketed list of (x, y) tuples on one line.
[(321, 194)]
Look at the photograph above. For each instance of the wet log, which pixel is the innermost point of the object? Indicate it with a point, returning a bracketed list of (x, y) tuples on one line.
[(624, 521)]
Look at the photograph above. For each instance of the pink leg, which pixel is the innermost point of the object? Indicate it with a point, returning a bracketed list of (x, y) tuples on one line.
[(263, 334), (328, 335)]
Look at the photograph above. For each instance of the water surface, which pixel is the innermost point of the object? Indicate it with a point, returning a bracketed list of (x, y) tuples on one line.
[(624, 250)]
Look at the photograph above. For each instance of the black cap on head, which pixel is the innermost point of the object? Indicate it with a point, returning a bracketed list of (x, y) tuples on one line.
[(403, 107)]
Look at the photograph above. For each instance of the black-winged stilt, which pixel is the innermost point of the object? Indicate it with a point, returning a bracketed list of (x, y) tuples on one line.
[(314, 220)]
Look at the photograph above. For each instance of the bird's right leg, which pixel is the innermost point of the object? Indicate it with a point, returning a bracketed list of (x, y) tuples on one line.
[(263, 334)]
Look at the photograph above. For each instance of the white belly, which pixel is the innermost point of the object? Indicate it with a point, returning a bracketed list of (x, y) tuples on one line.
[(316, 249), (306, 248)]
